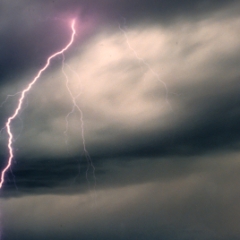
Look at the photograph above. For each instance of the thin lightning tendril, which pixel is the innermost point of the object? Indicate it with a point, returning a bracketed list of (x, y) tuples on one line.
[(144, 62), (20, 102), (73, 98), (76, 106), (8, 96)]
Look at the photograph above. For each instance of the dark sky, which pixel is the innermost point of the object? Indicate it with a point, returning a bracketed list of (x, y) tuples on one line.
[(151, 149)]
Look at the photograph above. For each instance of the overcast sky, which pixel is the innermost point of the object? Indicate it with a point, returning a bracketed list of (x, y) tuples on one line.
[(151, 149)]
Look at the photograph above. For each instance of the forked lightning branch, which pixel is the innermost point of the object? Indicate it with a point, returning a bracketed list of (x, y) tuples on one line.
[(20, 103)]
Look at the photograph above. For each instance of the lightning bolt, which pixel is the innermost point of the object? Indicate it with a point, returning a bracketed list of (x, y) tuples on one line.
[(21, 99)]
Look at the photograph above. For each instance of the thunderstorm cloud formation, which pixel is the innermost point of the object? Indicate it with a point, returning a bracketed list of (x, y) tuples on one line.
[(157, 83)]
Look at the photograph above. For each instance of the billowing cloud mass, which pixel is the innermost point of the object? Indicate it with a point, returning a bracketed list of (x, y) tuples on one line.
[(153, 150)]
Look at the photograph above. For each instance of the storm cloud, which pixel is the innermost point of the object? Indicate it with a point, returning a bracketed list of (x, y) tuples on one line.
[(158, 88)]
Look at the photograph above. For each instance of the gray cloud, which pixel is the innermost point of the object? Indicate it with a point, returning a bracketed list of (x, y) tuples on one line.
[(201, 204)]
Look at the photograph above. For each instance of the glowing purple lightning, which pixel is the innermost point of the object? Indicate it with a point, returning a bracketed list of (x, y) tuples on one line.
[(20, 101)]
